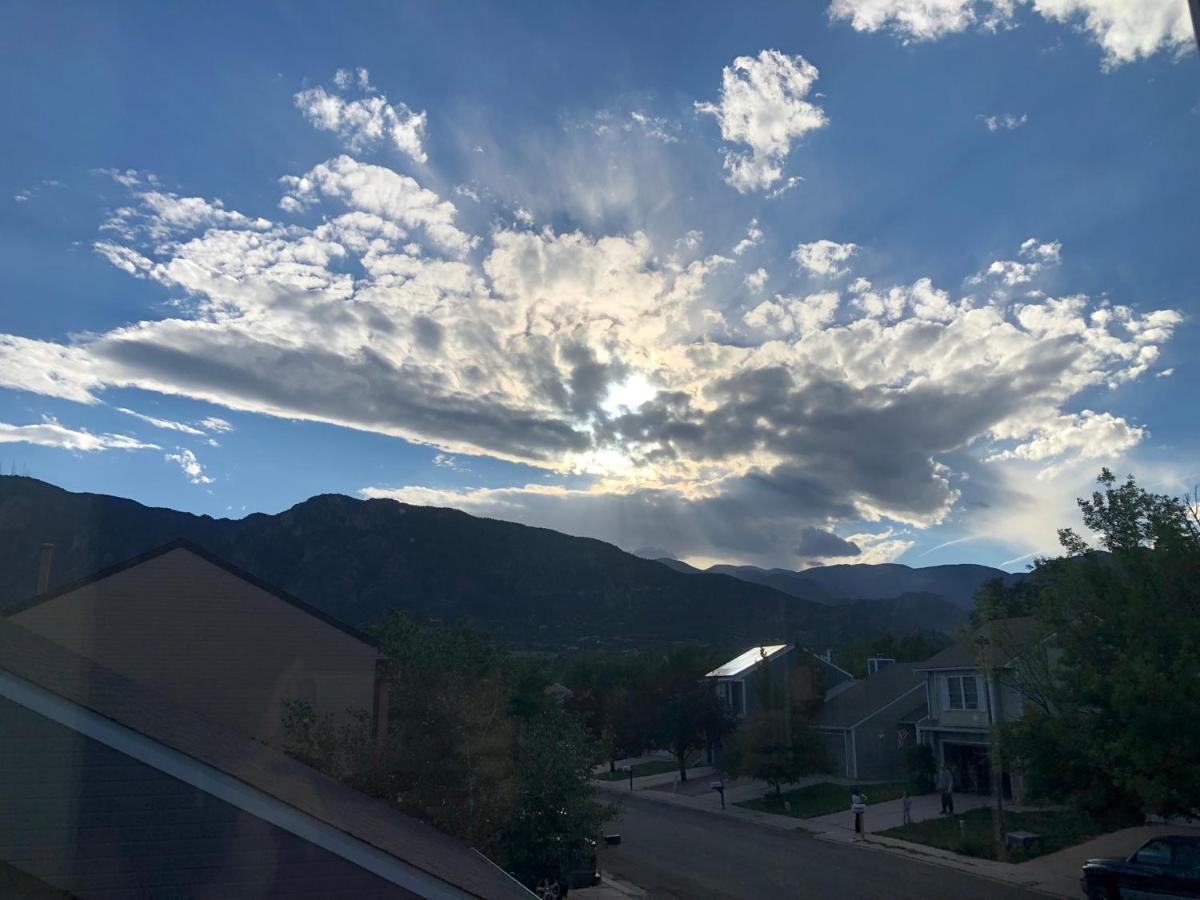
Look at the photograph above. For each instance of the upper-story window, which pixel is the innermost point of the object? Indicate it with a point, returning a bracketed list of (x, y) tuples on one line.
[(964, 691)]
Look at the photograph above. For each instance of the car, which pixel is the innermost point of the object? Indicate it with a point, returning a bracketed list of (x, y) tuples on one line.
[(1165, 867), (582, 870)]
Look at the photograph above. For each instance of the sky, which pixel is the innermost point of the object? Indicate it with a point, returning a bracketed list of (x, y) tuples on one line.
[(783, 284)]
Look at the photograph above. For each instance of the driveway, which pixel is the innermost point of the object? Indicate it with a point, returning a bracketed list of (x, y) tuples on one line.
[(677, 853)]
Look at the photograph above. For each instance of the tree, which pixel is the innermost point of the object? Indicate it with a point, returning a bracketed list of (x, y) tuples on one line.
[(687, 711), (1113, 722), (913, 647), (777, 743), (555, 808)]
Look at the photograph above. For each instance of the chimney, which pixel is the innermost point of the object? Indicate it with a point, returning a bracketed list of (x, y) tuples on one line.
[(47, 557)]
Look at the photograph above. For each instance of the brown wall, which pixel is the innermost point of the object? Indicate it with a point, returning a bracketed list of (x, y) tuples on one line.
[(208, 640)]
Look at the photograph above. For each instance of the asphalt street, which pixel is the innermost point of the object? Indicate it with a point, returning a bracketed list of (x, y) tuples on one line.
[(671, 852)]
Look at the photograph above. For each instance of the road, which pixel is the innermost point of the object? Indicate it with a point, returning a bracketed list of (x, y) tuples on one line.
[(682, 854)]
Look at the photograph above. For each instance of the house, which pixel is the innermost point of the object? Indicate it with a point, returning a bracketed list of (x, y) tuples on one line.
[(964, 700), (108, 789), (213, 639), (740, 682), (866, 727)]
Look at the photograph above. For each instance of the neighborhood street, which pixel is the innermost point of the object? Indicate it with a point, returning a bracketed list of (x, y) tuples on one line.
[(674, 852)]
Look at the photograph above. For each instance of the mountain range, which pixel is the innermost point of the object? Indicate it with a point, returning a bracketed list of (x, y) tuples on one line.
[(533, 587), (839, 584)]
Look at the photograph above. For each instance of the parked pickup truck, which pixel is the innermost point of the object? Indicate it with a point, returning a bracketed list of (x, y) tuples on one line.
[(1165, 867)]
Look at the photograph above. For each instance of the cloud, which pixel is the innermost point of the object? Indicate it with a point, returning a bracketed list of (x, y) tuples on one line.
[(396, 199), (762, 105), (754, 236), (686, 412), (215, 424), (366, 121), (756, 280), (816, 543), (190, 465), (49, 433), (824, 258), (1126, 30), (165, 424), (1003, 122)]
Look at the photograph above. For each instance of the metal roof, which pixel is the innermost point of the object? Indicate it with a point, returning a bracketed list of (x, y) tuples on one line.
[(747, 660)]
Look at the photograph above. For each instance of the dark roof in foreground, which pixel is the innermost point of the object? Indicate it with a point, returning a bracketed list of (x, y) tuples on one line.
[(219, 562), (59, 671), (1015, 635), (868, 696)]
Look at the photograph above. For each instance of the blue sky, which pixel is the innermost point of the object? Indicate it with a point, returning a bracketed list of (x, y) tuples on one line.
[(786, 284)]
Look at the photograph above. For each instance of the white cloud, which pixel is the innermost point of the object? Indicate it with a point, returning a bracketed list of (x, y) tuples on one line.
[(165, 424), (756, 280), (762, 105), (215, 425), (1126, 30), (1036, 257), (396, 198), (824, 258), (366, 121), (49, 433), (754, 235), (189, 465), (1004, 121)]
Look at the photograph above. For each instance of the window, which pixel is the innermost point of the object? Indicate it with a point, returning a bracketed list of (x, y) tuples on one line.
[(963, 691), (1155, 853)]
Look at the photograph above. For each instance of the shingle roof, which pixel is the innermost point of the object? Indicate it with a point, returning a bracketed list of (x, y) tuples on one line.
[(53, 668), (866, 697), (1015, 633), (212, 558)]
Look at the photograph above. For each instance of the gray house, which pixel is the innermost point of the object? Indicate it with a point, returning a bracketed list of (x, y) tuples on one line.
[(964, 701), (110, 790), (739, 682), (866, 727)]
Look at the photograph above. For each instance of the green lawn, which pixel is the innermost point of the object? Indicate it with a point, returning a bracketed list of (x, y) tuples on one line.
[(821, 799), (1059, 829), (655, 767)]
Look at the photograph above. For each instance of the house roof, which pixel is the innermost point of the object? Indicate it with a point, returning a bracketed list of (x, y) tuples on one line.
[(52, 668), (1013, 633), (748, 660), (213, 559), (862, 699)]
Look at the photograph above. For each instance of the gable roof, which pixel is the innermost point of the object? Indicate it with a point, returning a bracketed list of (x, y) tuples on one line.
[(53, 669), (748, 660), (862, 699), (1017, 632), (211, 558)]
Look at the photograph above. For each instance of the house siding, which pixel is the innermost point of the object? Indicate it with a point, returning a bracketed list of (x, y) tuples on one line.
[(212, 642), (86, 819)]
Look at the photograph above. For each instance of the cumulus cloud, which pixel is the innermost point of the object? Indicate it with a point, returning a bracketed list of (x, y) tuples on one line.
[(755, 281), (1035, 258), (366, 121), (1003, 122), (49, 433), (192, 470), (689, 414), (824, 258), (762, 105), (1126, 30)]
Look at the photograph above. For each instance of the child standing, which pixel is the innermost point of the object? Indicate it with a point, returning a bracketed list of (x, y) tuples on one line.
[(858, 806), (906, 803)]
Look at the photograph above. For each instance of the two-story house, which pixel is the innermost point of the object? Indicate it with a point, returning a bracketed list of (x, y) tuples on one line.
[(969, 687)]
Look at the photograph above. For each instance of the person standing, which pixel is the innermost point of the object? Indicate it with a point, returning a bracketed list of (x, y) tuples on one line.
[(946, 787), (906, 805), (858, 806)]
